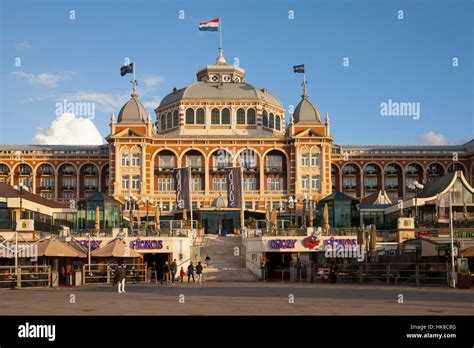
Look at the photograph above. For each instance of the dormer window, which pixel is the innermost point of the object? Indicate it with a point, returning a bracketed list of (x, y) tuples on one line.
[(215, 78)]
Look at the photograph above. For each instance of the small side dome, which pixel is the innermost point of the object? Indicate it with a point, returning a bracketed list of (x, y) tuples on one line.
[(132, 112), (306, 112)]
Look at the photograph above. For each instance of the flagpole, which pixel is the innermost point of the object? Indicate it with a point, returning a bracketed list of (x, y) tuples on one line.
[(220, 32), (453, 280), (134, 78)]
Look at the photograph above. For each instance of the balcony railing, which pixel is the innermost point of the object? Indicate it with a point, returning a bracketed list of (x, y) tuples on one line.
[(250, 169), (275, 192), (69, 188), (164, 169), (370, 187), (350, 187), (90, 188), (197, 170), (68, 172), (218, 169), (89, 172), (46, 172), (391, 187), (24, 172), (46, 187), (271, 169)]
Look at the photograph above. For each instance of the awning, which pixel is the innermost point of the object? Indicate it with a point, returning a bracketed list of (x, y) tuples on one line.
[(51, 247), (117, 249)]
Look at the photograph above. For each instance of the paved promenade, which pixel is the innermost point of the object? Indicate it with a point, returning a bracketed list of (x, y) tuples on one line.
[(239, 299)]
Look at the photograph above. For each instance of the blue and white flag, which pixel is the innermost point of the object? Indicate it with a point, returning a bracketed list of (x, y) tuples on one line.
[(212, 25)]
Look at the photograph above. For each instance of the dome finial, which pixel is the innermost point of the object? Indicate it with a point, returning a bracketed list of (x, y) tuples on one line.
[(305, 93), (220, 58)]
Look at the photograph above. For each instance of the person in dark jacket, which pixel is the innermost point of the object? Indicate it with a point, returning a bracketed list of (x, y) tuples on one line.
[(166, 271), (174, 270), (119, 278), (199, 272), (333, 273), (191, 272), (208, 260)]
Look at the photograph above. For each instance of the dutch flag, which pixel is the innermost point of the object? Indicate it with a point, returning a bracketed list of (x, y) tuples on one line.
[(212, 25)]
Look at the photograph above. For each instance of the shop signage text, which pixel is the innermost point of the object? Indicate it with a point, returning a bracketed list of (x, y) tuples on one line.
[(463, 234), (138, 244), (95, 244), (282, 243)]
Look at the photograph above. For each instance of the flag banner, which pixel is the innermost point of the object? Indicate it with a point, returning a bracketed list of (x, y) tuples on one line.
[(298, 68), (234, 187), (182, 176), (126, 69), (212, 25), (442, 208)]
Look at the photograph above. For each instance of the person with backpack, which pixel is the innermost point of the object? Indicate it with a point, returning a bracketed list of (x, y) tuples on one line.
[(199, 272), (191, 272)]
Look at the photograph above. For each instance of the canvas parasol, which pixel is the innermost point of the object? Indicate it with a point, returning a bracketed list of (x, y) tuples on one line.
[(97, 218), (157, 217), (116, 248), (361, 235), (185, 217), (326, 226), (274, 218), (267, 216), (311, 217), (53, 247), (373, 238)]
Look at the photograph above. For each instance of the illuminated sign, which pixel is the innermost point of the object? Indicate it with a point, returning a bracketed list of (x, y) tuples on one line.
[(282, 243), (138, 244), (340, 242), (95, 244)]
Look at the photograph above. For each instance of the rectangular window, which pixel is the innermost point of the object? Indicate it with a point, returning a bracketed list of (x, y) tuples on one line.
[(314, 159), (249, 205), (68, 196), (349, 183), (315, 182), (305, 159), (26, 182), (305, 182), (125, 182), (136, 182), (275, 184), (90, 183), (219, 184), (47, 183), (194, 161), (370, 182), (69, 183), (47, 195), (196, 184), (250, 184), (275, 162), (136, 160), (125, 159), (167, 161)]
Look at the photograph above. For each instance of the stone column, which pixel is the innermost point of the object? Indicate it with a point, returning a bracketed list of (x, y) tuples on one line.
[(143, 190)]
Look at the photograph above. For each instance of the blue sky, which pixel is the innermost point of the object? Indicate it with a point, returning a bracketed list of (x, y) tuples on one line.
[(407, 60)]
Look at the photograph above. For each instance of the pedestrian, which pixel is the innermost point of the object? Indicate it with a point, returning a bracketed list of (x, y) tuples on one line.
[(199, 272), (166, 271), (119, 278), (191, 272), (333, 273), (182, 274), (173, 269), (208, 260)]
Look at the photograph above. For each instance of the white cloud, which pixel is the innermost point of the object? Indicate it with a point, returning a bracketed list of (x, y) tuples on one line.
[(152, 104), (23, 44), (105, 102), (43, 79), (67, 129), (150, 81), (432, 138)]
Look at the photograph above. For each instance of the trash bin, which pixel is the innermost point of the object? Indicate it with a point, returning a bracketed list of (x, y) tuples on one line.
[(77, 278)]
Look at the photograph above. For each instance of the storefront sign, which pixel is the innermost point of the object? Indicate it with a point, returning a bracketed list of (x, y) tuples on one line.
[(340, 242), (428, 233), (95, 244), (234, 187), (312, 241), (282, 243), (138, 244), (463, 234)]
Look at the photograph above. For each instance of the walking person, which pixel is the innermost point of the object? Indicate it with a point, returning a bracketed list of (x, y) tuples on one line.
[(191, 272), (182, 273), (199, 272), (173, 269), (208, 260), (166, 272), (119, 278), (333, 273)]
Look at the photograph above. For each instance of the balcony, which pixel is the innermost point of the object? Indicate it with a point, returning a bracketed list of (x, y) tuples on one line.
[(46, 172), (68, 172), (274, 170), (164, 170), (252, 192), (24, 172), (90, 172), (370, 187), (218, 169), (197, 170), (275, 192), (90, 188), (349, 172), (250, 169), (350, 187), (391, 187), (69, 188), (46, 187)]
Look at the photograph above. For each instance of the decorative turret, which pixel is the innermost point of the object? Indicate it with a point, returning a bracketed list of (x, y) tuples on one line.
[(306, 112)]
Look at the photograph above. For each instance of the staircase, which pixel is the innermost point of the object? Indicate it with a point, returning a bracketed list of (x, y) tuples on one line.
[(224, 266)]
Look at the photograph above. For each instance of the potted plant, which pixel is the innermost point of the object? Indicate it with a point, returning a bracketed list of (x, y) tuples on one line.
[(464, 279)]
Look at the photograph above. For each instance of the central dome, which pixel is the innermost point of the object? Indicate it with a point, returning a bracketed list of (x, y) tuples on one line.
[(132, 112), (221, 81)]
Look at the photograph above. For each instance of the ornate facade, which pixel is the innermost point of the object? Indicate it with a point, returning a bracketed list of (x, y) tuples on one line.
[(222, 121)]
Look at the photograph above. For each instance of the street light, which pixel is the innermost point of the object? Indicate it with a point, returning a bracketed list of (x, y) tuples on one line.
[(147, 201), (21, 190), (131, 201), (305, 201), (416, 186)]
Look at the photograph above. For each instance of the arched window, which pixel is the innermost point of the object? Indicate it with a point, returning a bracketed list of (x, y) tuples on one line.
[(215, 116), (265, 119), (225, 116), (190, 116), (175, 118), (278, 122), (251, 118), (163, 122), (169, 121), (241, 116), (272, 121), (200, 116)]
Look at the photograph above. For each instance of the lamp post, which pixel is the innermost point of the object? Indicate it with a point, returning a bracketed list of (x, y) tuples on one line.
[(305, 202), (416, 186), (21, 190), (131, 202), (147, 201)]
